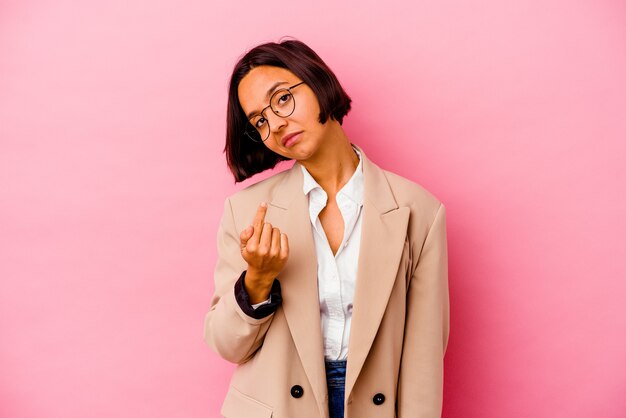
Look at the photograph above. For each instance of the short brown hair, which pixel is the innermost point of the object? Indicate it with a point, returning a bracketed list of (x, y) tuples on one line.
[(246, 157)]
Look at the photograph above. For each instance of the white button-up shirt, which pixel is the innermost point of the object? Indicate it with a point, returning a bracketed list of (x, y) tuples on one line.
[(336, 274)]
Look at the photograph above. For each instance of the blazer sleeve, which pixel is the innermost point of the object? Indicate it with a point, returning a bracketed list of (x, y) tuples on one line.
[(420, 385), (231, 329)]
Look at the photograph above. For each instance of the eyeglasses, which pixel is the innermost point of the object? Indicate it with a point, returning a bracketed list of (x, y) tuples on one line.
[(282, 104)]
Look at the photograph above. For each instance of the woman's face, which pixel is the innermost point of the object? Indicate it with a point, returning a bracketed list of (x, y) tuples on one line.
[(255, 90)]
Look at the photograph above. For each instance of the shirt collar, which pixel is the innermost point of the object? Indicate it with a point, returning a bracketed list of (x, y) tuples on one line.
[(352, 189)]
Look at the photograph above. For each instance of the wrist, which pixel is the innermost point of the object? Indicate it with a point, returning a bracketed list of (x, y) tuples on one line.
[(265, 309), (259, 278), (258, 290)]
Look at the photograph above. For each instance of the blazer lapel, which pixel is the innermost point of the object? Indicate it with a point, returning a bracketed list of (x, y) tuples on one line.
[(299, 278), (384, 229)]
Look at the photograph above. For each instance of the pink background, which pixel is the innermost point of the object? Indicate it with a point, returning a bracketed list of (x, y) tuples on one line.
[(112, 179)]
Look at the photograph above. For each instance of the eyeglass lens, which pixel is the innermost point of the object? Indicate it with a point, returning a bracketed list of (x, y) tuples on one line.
[(282, 104)]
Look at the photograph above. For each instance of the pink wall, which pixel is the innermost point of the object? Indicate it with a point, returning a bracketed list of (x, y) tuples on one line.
[(112, 119)]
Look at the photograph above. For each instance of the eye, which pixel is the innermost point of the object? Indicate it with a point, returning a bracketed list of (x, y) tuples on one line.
[(259, 122), (284, 98)]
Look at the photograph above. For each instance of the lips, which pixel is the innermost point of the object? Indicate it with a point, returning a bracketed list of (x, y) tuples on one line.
[(288, 137)]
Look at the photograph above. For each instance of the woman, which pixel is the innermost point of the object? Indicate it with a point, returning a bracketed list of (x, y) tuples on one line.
[(331, 283)]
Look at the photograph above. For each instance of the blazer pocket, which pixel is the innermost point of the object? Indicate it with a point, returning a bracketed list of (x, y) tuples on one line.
[(239, 405)]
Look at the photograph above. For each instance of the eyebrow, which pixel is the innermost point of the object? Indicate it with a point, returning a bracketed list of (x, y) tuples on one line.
[(267, 95)]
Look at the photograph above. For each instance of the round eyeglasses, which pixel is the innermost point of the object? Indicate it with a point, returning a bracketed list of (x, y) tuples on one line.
[(282, 104)]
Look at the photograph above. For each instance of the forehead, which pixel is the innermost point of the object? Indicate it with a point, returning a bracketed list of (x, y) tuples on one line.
[(253, 86)]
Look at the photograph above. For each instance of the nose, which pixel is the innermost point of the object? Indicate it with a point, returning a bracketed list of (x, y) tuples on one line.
[(276, 122)]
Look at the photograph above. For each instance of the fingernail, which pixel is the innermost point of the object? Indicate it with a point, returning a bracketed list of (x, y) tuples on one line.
[(263, 204)]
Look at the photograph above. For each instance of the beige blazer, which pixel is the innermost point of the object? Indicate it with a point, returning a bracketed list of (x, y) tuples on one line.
[(400, 322)]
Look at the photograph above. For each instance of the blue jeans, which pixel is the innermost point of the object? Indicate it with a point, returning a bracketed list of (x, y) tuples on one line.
[(336, 381)]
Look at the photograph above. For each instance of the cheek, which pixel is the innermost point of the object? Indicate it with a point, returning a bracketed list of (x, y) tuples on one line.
[(308, 110)]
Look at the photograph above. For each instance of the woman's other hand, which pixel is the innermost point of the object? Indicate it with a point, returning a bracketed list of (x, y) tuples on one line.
[(265, 249)]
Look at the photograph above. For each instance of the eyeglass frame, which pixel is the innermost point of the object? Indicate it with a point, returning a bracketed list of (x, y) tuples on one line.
[(269, 129)]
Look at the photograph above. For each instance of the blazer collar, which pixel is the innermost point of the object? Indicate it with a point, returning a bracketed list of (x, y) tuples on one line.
[(376, 189)]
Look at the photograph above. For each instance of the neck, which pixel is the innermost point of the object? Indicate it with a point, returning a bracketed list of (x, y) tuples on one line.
[(334, 163)]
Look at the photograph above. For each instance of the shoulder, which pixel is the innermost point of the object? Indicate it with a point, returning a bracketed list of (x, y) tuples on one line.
[(406, 192), (425, 209), (424, 206), (244, 203), (410, 193)]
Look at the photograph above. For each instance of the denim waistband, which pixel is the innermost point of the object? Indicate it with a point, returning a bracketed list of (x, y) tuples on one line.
[(336, 373), (336, 363)]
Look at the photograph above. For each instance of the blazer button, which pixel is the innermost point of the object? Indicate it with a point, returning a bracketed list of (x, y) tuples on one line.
[(378, 399), (297, 391)]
